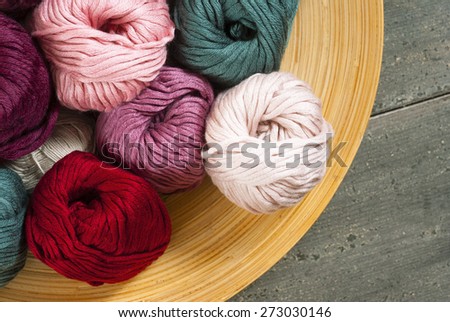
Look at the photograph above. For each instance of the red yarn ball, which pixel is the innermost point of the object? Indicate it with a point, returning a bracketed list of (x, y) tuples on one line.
[(95, 223)]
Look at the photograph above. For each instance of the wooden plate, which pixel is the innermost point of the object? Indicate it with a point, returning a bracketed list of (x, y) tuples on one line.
[(218, 249)]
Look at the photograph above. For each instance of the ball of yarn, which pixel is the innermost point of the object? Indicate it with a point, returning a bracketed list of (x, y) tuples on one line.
[(95, 223), (230, 40), (160, 134), (13, 205), (267, 142), (103, 52), (17, 6), (74, 131), (26, 118)]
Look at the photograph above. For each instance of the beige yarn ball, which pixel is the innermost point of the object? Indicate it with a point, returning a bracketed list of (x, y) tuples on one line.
[(267, 142), (74, 131)]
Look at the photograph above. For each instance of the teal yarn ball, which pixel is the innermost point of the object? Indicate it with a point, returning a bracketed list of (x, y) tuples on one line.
[(13, 206), (230, 40)]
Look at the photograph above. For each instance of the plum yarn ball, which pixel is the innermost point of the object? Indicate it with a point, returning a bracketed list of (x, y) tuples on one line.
[(74, 131), (267, 142), (230, 40), (160, 134), (17, 6), (96, 223), (103, 52), (13, 206), (27, 115)]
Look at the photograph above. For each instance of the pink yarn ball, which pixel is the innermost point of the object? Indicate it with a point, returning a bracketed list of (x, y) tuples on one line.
[(103, 52), (161, 133)]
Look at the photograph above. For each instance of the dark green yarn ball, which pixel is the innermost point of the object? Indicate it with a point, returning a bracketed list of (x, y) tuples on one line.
[(13, 206), (230, 40)]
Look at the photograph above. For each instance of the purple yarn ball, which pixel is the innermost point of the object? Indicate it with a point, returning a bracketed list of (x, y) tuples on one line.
[(160, 134), (15, 6), (26, 118)]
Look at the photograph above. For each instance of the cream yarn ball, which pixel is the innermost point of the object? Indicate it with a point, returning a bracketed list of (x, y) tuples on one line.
[(267, 142), (74, 131)]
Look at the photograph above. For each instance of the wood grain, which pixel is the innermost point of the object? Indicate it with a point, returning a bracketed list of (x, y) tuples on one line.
[(218, 249), (386, 234), (416, 58)]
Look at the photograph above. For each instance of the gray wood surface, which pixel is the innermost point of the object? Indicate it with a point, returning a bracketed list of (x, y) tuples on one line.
[(416, 63), (386, 234)]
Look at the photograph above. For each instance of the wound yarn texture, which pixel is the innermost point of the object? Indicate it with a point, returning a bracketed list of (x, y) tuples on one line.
[(103, 52), (96, 223), (13, 206), (74, 131), (230, 40), (160, 134), (267, 142), (17, 6), (27, 116)]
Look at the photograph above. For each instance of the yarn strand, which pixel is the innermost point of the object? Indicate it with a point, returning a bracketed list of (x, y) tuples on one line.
[(103, 52), (228, 41), (276, 111), (13, 205)]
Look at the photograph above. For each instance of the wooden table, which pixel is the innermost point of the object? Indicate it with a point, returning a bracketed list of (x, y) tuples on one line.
[(386, 234)]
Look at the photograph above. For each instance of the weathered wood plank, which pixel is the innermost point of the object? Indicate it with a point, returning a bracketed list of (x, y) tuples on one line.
[(386, 234), (417, 53)]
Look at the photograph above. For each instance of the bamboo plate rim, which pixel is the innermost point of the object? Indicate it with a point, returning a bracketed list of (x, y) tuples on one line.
[(218, 249)]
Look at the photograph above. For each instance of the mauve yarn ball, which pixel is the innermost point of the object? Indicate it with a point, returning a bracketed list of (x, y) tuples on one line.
[(13, 206), (230, 40), (17, 6), (103, 52), (27, 116), (160, 134), (74, 131), (267, 142), (96, 223)]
